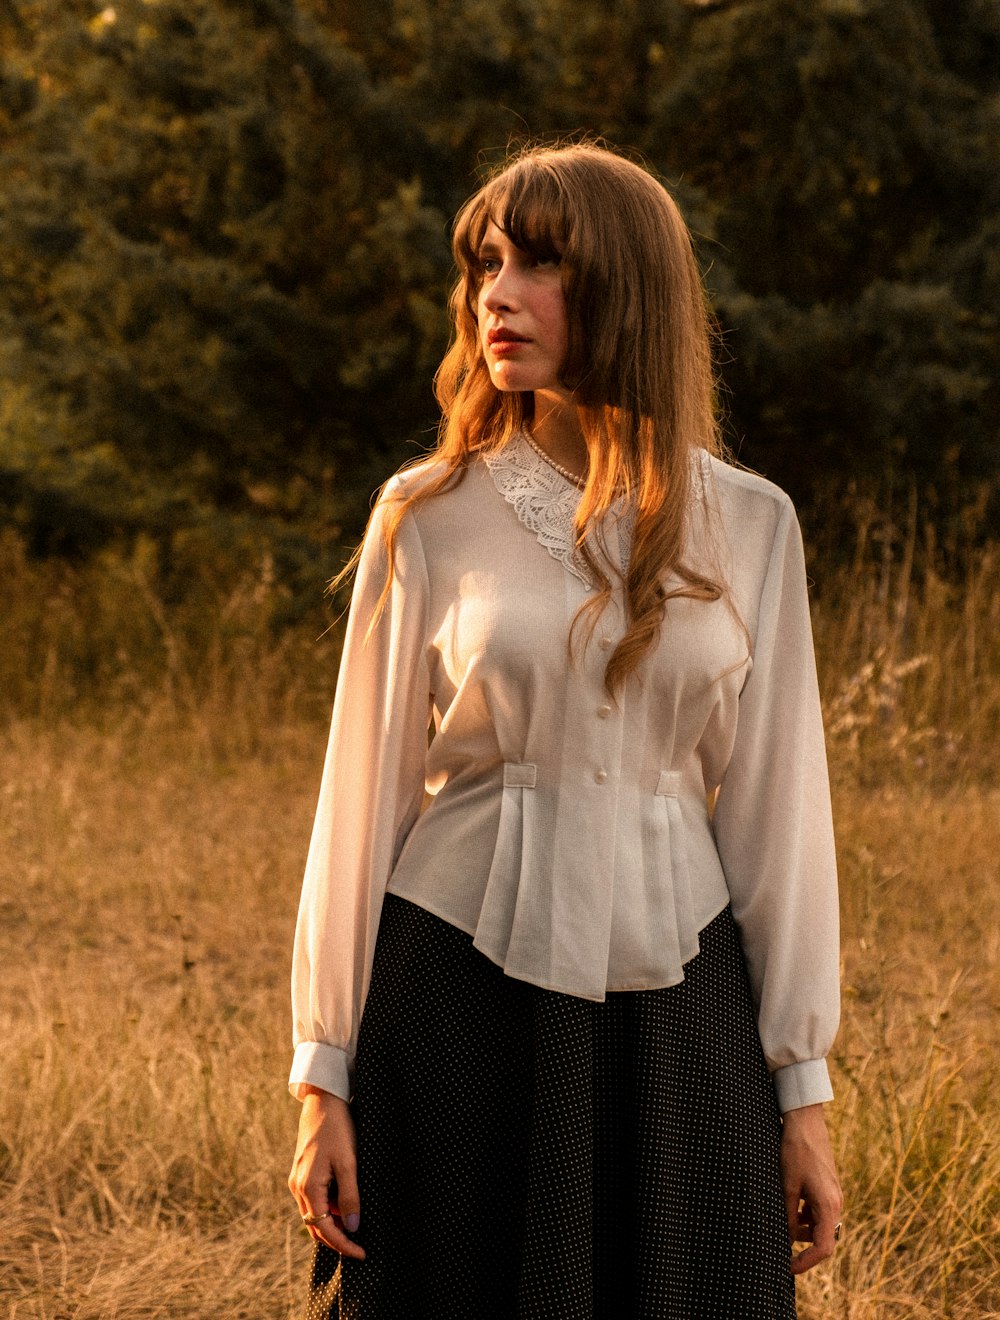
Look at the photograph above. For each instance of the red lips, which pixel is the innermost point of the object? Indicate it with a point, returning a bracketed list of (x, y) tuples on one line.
[(501, 335)]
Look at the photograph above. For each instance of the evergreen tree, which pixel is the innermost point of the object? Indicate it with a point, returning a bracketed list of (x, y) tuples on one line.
[(850, 162), (225, 302)]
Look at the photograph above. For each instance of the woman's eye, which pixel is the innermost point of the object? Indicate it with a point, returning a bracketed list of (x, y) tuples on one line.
[(490, 265)]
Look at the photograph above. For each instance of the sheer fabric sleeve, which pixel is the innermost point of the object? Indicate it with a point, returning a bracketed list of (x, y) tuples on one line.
[(774, 832), (370, 796)]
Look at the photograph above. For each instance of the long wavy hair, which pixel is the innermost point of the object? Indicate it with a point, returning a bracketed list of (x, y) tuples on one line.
[(639, 364)]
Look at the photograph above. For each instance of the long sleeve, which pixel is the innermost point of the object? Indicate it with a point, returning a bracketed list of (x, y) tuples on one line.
[(370, 796), (774, 832)]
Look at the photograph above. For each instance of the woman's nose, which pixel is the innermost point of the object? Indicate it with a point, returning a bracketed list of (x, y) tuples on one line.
[(502, 292)]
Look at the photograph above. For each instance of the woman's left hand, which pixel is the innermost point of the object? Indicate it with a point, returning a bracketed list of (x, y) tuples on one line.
[(813, 1199)]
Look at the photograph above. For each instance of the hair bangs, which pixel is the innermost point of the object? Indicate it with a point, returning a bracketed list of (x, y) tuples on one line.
[(531, 208)]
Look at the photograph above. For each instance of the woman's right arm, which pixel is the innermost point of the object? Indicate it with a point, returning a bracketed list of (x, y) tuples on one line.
[(370, 796)]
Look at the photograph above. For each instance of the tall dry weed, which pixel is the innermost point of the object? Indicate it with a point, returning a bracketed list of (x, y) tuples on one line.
[(148, 902), (915, 1065), (121, 643), (908, 640)]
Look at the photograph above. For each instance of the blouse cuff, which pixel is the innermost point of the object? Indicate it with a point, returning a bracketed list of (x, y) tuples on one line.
[(323, 1066), (801, 1084)]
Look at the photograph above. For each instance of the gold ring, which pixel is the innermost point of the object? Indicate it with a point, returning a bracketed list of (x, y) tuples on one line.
[(836, 1232), (314, 1219)]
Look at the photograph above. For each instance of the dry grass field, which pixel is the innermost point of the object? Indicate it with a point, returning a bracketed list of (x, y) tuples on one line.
[(151, 846)]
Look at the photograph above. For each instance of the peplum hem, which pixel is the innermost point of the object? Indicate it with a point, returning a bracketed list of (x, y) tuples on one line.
[(553, 925)]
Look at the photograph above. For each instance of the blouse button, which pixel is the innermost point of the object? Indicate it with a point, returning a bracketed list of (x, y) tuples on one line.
[(600, 776), (605, 643), (603, 712)]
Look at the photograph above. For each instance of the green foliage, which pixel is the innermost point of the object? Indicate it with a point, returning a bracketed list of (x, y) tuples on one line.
[(224, 253), (225, 299), (853, 165)]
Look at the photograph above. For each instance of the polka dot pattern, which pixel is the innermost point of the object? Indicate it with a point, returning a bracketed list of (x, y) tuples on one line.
[(527, 1155)]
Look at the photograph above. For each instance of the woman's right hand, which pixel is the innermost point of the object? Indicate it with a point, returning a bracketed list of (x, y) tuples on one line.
[(324, 1176)]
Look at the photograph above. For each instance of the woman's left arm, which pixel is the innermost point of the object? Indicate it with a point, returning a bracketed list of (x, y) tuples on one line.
[(774, 831)]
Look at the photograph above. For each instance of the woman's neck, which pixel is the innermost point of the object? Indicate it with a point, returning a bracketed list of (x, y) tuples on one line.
[(556, 430)]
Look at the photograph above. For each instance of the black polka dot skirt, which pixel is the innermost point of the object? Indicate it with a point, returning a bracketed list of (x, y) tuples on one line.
[(528, 1155)]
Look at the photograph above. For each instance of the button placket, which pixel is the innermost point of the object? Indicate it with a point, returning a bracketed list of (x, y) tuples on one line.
[(607, 747)]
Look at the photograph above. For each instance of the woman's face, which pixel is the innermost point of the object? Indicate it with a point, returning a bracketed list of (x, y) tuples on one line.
[(522, 316)]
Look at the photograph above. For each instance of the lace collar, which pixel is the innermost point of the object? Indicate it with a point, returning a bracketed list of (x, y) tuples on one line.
[(545, 501)]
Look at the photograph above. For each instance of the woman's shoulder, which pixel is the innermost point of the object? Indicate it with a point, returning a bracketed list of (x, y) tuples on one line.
[(412, 477), (741, 487), (432, 506), (451, 492), (749, 517), (749, 507)]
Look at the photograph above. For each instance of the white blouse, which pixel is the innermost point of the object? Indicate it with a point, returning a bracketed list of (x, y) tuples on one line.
[(568, 833)]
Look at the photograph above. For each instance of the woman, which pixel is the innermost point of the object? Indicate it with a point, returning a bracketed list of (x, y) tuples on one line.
[(592, 998)]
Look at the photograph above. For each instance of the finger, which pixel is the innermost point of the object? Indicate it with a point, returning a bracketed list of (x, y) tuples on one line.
[(330, 1228), (822, 1234), (348, 1199), (333, 1227), (805, 1260), (331, 1231)]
